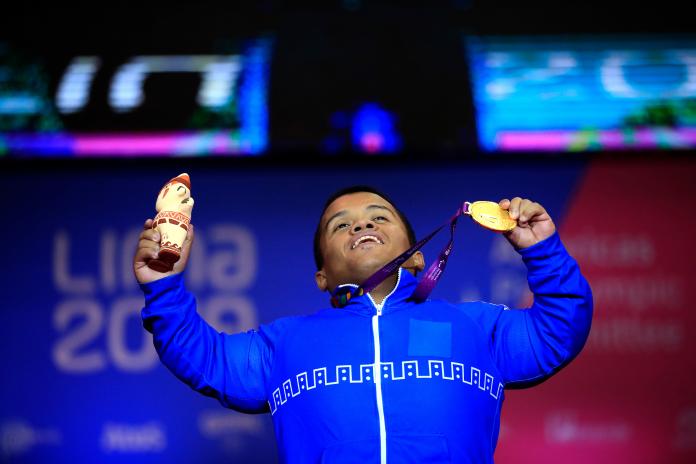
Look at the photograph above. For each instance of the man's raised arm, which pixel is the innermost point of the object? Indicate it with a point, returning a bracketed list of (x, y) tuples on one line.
[(531, 344), (231, 368)]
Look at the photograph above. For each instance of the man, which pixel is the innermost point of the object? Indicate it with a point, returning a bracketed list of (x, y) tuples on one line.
[(385, 378)]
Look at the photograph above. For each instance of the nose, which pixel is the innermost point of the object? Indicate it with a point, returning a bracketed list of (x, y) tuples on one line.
[(363, 224)]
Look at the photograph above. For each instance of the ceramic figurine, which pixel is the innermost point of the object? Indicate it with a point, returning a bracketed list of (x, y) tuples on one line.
[(174, 206)]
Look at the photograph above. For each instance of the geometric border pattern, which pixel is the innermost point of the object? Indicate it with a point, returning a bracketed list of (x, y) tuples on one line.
[(412, 369)]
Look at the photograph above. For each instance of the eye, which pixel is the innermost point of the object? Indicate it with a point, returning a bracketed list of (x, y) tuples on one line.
[(380, 218), (341, 225)]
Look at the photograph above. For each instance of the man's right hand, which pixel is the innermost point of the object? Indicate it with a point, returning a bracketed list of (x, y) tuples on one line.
[(148, 248)]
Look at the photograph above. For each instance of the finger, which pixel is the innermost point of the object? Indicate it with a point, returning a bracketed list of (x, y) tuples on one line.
[(504, 203), (185, 249), (189, 234), (150, 234), (145, 254), (148, 224), (189, 239), (145, 243), (524, 211), (532, 211), (515, 207)]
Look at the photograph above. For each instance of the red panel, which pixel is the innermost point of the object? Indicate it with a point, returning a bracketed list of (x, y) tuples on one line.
[(629, 396)]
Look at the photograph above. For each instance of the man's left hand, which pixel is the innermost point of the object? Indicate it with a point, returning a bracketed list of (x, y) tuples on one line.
[(533, 222)]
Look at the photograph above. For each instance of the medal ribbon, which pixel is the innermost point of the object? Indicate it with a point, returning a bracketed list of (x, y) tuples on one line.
[(342, 295)]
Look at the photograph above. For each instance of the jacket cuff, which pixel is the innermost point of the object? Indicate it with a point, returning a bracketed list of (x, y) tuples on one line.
[(169, 287), (540, 255)]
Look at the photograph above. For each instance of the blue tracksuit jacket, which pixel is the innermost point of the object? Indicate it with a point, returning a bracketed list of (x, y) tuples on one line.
[(401, 382)]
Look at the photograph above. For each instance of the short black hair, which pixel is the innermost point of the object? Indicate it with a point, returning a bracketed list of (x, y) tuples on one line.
[(318, 257)]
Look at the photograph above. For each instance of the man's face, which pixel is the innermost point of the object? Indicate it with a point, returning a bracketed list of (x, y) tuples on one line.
[(360, 233)]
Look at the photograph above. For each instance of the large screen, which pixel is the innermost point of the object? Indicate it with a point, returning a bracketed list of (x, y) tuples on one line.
[(139, 104), (584, 93)]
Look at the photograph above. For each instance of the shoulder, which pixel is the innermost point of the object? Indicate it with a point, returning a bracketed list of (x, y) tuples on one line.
[(281, 325), (468, 306), (480, 305), (482, 313)]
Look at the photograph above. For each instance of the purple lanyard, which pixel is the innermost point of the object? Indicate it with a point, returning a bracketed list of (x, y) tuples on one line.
[(343, 294)]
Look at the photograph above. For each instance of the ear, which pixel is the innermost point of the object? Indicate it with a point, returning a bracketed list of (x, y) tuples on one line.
[(415, 263), (320, 278)]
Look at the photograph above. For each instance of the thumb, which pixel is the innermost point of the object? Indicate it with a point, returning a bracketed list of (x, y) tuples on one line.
[(180, 265), (188, 241)]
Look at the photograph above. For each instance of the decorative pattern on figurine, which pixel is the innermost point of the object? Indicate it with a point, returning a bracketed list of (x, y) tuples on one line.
[(174, 206)]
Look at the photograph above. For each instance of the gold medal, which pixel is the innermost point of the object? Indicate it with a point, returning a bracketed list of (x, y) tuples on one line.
[(490, 215)]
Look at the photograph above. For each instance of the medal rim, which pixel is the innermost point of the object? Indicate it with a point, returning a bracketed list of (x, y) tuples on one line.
[(481, 203)]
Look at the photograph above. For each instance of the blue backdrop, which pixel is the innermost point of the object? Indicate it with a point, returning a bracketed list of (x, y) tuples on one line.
[(81, 381)]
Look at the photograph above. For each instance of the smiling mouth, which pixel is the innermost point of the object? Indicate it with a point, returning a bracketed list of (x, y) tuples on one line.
[(366, 239)]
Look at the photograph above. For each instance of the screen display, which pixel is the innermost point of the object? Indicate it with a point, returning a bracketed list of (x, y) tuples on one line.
[(584, 93), (140, 104)]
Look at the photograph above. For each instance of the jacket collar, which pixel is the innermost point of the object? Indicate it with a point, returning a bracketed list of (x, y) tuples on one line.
[(405, 285)]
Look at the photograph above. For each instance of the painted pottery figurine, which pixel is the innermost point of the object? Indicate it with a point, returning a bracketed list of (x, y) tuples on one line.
[(174, 206)]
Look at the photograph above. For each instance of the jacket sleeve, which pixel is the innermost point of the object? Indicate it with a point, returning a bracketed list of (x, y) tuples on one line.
[(231, 368), (529, 345)]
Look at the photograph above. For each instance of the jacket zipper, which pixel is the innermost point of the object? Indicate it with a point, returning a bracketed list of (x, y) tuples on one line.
[(377, 372)]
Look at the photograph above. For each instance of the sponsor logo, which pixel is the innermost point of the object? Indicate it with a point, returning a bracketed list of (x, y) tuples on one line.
[(230, 429), (18, 437), (685, 429), (133, 438), (567, 427)]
